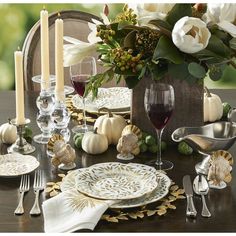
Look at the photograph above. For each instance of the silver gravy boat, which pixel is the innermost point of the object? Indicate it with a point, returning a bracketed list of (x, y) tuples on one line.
[(207, 139)]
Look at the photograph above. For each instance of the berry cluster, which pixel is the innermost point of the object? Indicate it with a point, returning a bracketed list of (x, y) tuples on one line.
[(124, 60)]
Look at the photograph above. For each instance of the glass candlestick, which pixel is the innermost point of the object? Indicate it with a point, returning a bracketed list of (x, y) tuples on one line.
[(21, 145), (61, 118), (45, 103)]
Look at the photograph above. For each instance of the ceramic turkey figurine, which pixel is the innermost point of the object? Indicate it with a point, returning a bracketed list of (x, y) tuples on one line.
[(219, 170), (63, 154)]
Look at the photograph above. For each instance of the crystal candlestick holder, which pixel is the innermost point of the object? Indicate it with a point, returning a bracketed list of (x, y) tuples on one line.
[(21, 146), (45, 103), (61, 119)]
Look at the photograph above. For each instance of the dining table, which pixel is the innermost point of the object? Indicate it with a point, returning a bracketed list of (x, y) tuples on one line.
[(221, 203)]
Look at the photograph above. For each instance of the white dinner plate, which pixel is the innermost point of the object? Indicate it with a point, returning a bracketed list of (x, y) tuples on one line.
[(15, 164), (162, 189), (116, 99)]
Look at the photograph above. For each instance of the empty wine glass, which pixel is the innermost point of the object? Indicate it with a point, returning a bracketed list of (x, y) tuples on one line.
[(159, 104), (80, 74)]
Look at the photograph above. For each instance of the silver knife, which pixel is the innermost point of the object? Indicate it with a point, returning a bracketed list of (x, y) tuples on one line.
[(191, 210)]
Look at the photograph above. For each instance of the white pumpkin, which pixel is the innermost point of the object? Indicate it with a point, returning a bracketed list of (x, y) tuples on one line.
[(213, 109), (94, 143), (111, 125), (8, 133)]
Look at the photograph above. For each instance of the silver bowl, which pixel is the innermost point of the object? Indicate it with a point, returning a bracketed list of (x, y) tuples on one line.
[(207, 139)]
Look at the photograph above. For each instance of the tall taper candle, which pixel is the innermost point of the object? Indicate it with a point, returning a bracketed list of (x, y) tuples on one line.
[(20, 108), (44, 49), (59, 89)]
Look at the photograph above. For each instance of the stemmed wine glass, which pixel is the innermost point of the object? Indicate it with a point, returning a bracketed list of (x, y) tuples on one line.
[(80, 74), (159, 103)]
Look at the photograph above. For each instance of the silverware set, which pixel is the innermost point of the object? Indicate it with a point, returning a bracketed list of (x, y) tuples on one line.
[(200, 187), (38, 186)]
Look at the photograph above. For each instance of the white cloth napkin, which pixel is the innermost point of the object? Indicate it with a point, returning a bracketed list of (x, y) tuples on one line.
[(70, 211)]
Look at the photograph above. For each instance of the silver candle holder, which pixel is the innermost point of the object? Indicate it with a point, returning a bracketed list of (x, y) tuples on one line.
[(21, 145)]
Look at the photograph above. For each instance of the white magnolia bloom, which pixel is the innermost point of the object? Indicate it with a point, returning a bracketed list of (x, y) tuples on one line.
[(152, 11), (190, 34), (77, 50), (223, 14)]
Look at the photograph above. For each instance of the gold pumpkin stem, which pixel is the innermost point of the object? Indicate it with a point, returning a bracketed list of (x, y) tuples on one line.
[(95, 130), (207, 92), (107, 110)]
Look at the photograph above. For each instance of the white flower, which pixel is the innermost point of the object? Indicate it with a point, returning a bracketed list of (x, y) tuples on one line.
[(77, 50), (190, 34), (152, 11), (223, 14), (92, 37)]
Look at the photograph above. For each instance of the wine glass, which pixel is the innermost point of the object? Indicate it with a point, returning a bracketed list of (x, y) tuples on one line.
[(80, 74), (159, 104)]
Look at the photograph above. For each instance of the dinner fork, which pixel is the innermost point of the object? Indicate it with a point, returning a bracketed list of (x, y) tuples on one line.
[(38, 186), (24, 187)]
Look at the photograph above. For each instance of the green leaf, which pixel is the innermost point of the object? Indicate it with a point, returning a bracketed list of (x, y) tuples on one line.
[(215, 72), (165, 49), (157, 71), (232, 43), (131, 81), (129, 39), (161, 23), (216, 46), (122, 24), (177, 12), (163, 26), (196, 70), (178, 71), (143, 71)]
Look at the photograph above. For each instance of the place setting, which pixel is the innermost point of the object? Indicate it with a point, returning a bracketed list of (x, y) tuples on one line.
[(156, 146), (88, 192)]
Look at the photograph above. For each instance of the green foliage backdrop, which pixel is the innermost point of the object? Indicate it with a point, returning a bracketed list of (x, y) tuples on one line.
[(17, 20)]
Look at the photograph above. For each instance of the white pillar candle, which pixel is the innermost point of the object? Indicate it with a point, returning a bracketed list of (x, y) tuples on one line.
[(59, 89), (44, 49), (19, 84)]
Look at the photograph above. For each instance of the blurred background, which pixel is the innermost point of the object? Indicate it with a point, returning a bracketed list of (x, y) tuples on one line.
[(17, 20)]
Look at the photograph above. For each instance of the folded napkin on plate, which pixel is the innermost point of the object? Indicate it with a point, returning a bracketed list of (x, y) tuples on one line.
[(70, 211)]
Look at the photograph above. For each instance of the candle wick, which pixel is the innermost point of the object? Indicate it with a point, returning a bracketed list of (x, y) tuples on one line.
[(58, 14), (18, 48)]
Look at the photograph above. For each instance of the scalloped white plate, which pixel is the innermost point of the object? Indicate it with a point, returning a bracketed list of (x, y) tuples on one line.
[(162, 189), (15, 164), (115, 99)]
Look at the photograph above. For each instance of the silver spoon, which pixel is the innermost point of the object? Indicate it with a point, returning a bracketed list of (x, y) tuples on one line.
[(200, 187)]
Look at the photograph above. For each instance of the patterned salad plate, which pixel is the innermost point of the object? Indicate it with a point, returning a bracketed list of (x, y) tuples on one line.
[(116, 181), (162, 189), (117, 99), (16, 164)]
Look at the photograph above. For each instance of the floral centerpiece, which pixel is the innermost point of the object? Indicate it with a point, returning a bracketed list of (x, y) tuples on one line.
[(185, 42)]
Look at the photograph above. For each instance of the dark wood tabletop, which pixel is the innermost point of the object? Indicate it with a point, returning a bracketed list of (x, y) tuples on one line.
[(221, 203)]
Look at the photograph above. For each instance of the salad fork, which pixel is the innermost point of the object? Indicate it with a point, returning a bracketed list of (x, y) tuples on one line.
[(38, 186), (24, 187)]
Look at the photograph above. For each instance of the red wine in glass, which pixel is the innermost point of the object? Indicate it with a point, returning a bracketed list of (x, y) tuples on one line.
[(79, 82), (159, 115), (159, 105)]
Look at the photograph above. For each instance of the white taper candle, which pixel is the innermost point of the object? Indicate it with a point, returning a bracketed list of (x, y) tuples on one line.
[(59, 89), (44, 49), (19, 85)]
